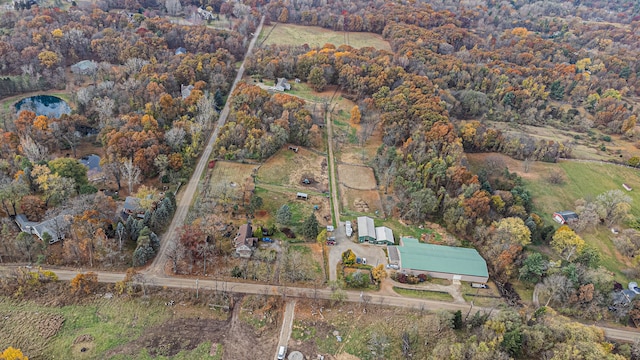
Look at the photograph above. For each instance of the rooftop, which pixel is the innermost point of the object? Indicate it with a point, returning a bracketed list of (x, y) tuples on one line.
[(439, 258)]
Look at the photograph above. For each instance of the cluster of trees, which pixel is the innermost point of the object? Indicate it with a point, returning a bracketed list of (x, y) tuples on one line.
[(260, 123)]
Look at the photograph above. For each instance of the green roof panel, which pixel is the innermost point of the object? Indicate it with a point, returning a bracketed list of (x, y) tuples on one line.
[(439, 258)]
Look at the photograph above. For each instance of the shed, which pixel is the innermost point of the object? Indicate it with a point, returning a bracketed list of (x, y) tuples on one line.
[(444, 262), (563, 217), (181, 51), (302, 196), (384, 236), (394, 256), (366, 229)]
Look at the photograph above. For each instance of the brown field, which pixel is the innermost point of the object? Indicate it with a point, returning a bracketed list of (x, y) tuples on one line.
[(289, 169), (289, 34), (585, 146), (230, 173), (357, 177), (350, 151), (351, 199)]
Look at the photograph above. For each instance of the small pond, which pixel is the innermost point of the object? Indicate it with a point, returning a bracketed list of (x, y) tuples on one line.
[(92, 162), (47, 105)]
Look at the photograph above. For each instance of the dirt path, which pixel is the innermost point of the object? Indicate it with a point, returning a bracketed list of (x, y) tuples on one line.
[(159, 263), (287, 325), (332, 174)]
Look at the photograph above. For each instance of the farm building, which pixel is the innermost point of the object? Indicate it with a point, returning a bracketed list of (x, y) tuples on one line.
[(55, 227), (244, 241), (563, 217), (444, 262), (366, 229), (384, 236)]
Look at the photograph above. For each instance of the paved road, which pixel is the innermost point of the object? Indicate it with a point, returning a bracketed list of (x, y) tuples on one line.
[(158, 265), (287, 324), (351, 296)]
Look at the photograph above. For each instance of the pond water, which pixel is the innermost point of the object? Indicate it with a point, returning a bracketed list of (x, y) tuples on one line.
[(92, 162), (47, 105)]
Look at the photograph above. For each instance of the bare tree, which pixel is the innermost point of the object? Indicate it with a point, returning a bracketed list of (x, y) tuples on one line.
[(131, 174), (175, 253), (556, 287), (173, 7), (32, 150), (205, 250)]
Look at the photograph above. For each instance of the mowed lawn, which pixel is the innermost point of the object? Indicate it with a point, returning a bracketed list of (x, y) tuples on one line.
[(314, 36)]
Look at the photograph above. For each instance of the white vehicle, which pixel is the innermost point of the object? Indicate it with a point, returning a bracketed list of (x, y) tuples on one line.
[(349, 231), (393, 266), (282, 351), (330, 228), (347, 224), (633, 286), (364, 261)]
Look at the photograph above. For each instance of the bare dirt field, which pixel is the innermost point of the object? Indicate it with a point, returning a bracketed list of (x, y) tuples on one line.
[(360, 201), (289, 34), (357, 177), (230, 172)]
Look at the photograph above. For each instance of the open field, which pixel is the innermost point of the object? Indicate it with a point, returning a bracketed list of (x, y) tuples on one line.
[(360, 202), (274, 197), (288, 168), (583, 180), (231, 173), (289, 34), (357, 177), (586, 145)]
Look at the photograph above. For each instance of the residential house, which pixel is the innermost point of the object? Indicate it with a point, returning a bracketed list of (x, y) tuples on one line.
[(366, 229), (444, 262), (282, 85), (384, 236), (244, 241), (180, 51), (56, 227), (204, 14), (185, 91), (563, 217), (132, 207)]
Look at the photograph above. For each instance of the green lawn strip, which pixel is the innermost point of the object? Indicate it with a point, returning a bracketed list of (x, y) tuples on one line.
[(424, 294)]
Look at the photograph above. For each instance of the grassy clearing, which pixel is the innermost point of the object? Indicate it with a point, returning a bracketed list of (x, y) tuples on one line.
[(110, 322), (289, 34), (583, 180), (424, 294), (273, 200), (304, 91), (486, 297)]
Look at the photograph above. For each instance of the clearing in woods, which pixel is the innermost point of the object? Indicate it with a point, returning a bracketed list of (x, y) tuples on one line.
[(357, 177), (314, 36), (578, 184)]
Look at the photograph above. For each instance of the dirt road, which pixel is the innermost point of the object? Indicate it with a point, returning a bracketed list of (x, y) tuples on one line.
[(158, 265), (287, 324), (332, 175), (351, 296)]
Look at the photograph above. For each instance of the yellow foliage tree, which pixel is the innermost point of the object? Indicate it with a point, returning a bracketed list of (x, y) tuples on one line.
[(567, 243), (12, 353), (379, 273), (284, 16), (84, 283), (355, 115), (48, 58), (57, 33)]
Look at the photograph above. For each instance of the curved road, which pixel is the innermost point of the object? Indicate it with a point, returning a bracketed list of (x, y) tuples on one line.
[(158, 265)]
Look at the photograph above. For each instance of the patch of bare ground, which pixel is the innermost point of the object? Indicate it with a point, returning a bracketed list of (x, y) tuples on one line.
[(238, 339), (363, 201), (357, 177)]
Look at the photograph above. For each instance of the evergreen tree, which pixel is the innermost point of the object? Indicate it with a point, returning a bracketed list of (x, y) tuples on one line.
[(283, 216), (310, 227)]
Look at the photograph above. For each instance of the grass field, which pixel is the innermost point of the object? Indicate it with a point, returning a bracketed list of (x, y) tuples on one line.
[(583, 180), (114, 322), (289, 34), (424, 294)]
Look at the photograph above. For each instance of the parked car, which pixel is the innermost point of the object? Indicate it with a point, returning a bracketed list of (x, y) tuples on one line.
[(267, 240), (364, 261), (633, 286), (393, 266), (479, 286), (358, 260), (347, 224), (331, 242), (282, 351), (330, 228)]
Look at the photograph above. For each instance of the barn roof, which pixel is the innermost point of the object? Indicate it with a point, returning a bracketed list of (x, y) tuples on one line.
[(366, 227), (440, 258)]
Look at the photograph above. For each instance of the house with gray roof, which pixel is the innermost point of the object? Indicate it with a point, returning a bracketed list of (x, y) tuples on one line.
[(56, 227), (444, 262)]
